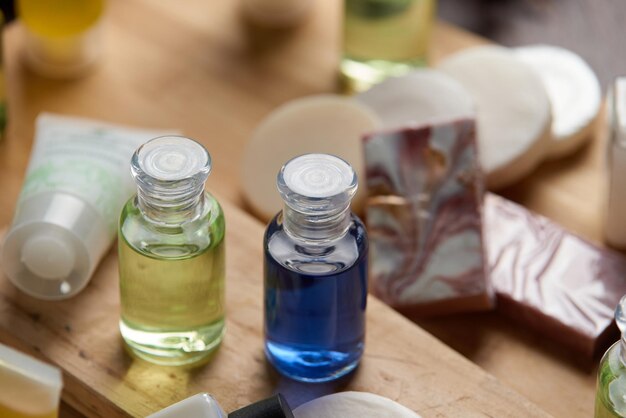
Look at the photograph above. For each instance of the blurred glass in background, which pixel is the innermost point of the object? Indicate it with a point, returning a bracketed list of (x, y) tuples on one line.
[(383, 38), (62, 37)]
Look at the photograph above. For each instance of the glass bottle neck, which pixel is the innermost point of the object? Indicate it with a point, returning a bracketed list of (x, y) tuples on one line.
[(170, 172), (171, 208), (317, 228)]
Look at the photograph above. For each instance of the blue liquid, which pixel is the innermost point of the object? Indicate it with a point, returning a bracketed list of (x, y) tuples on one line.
[(315, 304)]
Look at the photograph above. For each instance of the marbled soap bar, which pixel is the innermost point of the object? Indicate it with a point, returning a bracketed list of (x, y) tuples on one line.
[(424, 219), (551, 280)]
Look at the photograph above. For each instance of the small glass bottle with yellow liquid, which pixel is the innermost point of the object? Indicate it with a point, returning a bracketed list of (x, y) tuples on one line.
[(383, 38), (611, 390), (62, 37), (171, 256)]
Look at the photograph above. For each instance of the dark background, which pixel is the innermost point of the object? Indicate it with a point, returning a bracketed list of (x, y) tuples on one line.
[(595, 29)]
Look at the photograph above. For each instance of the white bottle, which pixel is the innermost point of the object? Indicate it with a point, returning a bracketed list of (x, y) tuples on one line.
[(615, 225)]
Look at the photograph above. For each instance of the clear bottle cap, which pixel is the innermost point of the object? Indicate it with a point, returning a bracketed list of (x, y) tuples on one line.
[(317, 183), (171, 158), (54, 245), (170, 171)]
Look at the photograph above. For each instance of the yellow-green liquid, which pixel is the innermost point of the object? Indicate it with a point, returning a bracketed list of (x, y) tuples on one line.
[(6, 412), (384, 38), (602, 411), (610, 370), (172, 296)]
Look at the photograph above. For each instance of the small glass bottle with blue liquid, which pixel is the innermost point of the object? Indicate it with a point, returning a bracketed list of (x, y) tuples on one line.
[(315, 272)]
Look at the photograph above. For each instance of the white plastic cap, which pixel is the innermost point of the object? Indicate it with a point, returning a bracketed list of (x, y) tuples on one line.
[(29, 386), (54, 245), (48, 256)]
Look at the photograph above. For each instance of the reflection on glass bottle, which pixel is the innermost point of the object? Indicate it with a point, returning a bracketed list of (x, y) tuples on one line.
[(171, 256), (315, 272), (611, 390), (383, 38)]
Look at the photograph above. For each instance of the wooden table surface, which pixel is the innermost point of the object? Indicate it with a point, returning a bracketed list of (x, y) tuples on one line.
[(196, 66)]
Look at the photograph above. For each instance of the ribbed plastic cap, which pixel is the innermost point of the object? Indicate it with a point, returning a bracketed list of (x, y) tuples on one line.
[(274, 407), (54, 245)]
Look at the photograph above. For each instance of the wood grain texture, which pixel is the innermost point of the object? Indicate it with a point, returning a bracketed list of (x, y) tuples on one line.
[(66, 411), (195, 65)]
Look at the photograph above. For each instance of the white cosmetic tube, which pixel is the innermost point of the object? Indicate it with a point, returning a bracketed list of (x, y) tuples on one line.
[(66, 217)]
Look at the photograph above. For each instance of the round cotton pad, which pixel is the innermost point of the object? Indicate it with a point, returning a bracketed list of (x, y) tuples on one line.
[(574, 92), (419, 97), (317, 124), (353, 405), (514, 113)]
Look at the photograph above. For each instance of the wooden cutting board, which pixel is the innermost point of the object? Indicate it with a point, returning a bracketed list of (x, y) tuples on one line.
[(196, 66), (401, 361)]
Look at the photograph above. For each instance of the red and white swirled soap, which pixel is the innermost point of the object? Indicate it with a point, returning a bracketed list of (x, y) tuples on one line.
[(424, 219), (551, 280)]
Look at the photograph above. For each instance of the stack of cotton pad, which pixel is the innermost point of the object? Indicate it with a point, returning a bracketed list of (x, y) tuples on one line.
[(353, 405), (421, 97), (533, 103), (530, 104), (514, 113), (574, 93), (336, 125)]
